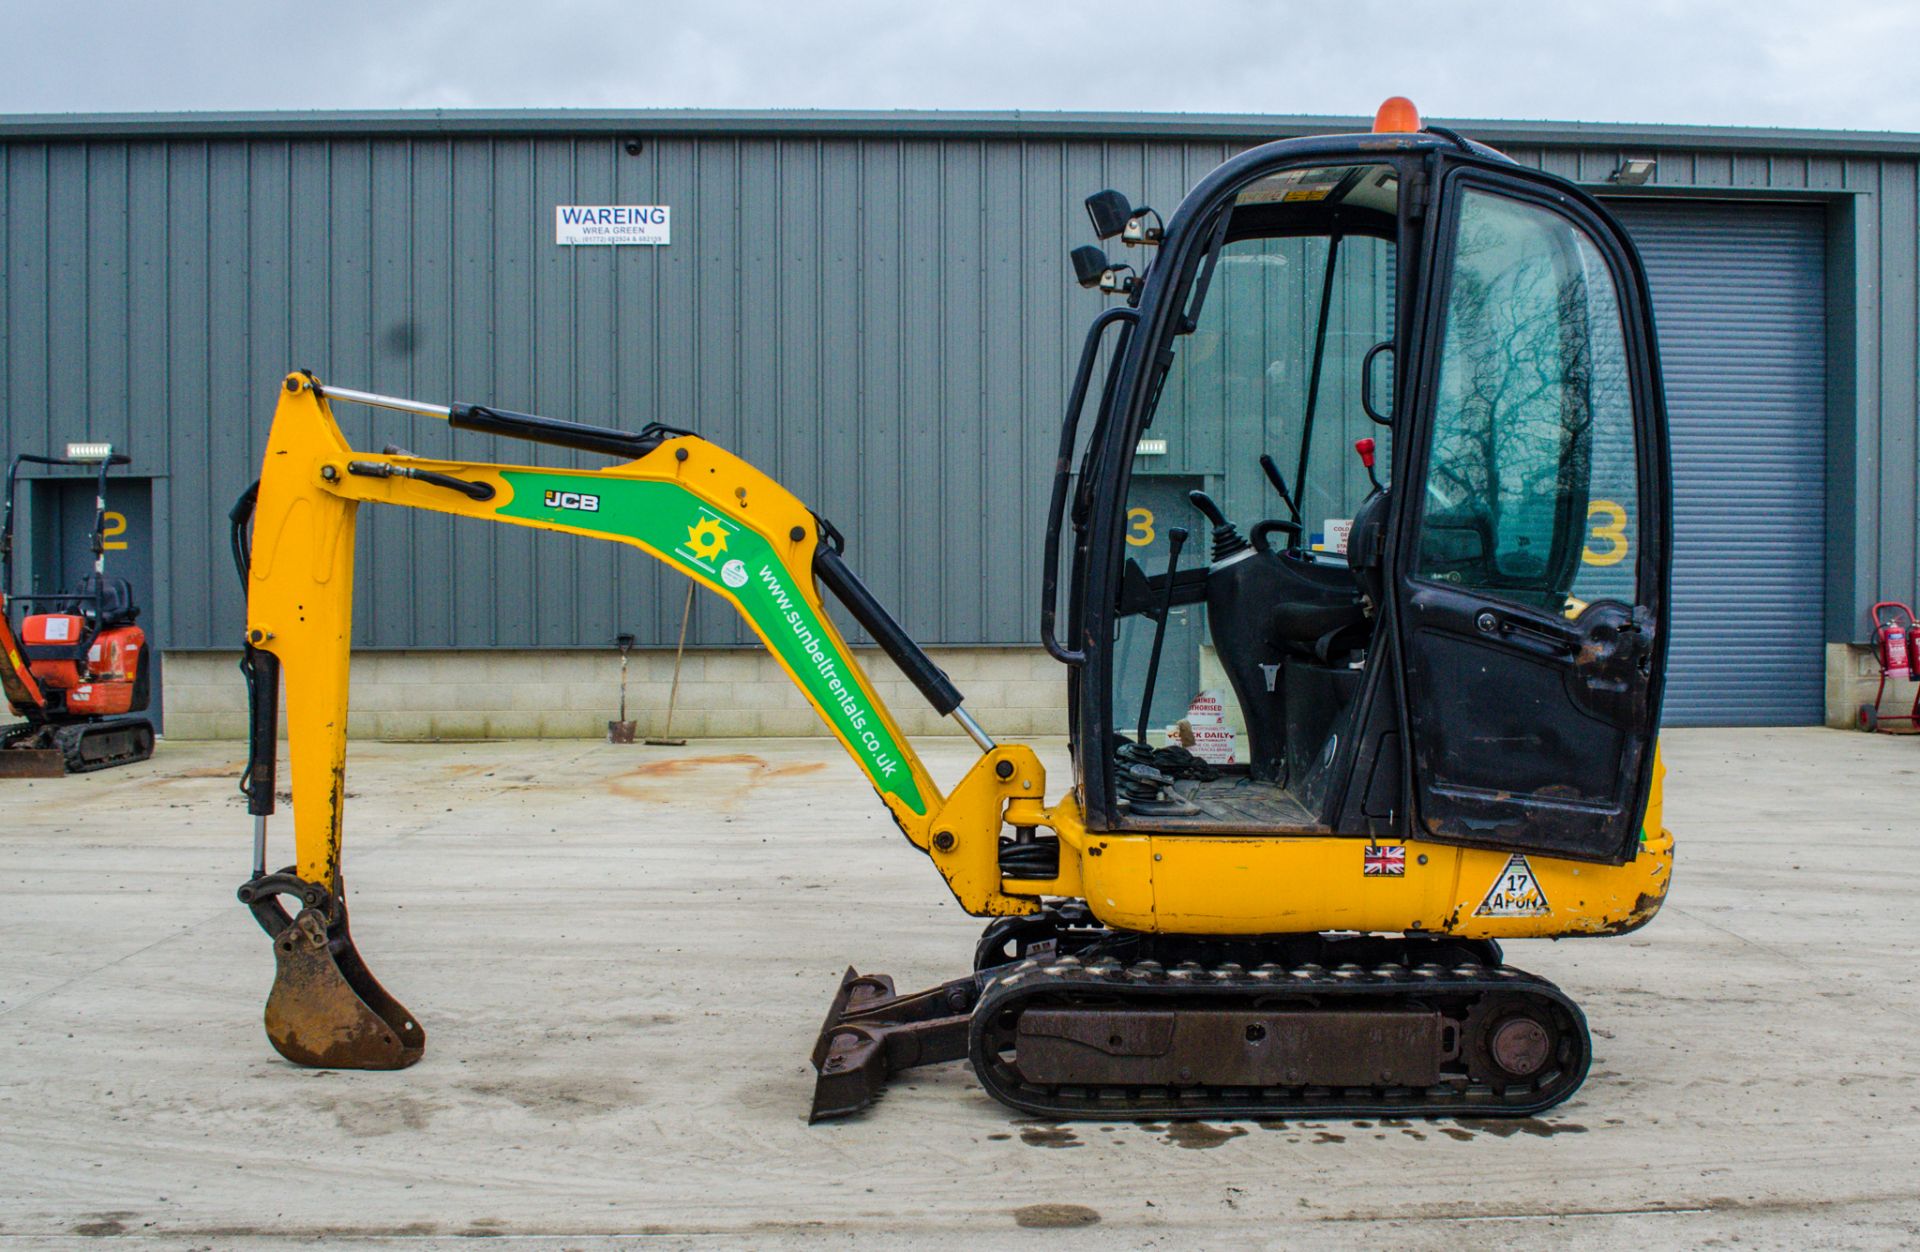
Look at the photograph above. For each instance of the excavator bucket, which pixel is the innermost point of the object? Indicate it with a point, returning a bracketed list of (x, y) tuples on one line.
[(326, 1008)]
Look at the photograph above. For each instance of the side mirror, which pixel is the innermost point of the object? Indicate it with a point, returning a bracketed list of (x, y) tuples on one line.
[(1108, 211)]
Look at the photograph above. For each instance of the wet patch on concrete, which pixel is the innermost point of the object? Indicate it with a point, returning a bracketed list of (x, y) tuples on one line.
[(1050, 1136), (1201, 1135), (1054, 1216), (1508, 1127)]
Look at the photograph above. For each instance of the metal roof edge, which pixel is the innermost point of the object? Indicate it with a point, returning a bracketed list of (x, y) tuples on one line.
[(931, 124)]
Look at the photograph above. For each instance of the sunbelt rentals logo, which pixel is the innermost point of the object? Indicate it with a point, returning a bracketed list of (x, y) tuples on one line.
[(706, 542)]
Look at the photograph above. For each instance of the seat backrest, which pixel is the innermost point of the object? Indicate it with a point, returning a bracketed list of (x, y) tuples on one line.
[(111, 600)]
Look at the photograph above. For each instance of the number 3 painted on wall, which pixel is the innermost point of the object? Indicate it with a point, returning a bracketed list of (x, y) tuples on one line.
[(1139, 527), (1613, 530)]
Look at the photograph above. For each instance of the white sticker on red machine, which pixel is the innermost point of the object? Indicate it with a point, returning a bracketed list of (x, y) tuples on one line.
[(1516, 893)]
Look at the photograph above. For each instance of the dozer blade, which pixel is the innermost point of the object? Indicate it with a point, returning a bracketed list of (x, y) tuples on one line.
[(871, 1034), (326, 1008), (32, 763)]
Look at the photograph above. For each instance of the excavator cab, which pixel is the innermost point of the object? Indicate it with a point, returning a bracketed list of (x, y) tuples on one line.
[(1415, 386)]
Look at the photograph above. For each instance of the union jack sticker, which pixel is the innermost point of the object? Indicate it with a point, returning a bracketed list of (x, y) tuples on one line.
[(1384, 860)]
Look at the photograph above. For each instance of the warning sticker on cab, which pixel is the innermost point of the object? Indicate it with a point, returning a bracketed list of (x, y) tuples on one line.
[(1516, 893)]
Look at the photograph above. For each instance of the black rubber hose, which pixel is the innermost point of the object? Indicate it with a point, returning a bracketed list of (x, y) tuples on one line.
[(240, 516)]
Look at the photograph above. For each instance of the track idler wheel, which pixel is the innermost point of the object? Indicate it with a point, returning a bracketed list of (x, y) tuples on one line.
[(326, 1009), (1509, 1042)]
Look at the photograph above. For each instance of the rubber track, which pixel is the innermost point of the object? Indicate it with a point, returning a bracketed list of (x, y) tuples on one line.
[(70, 738), (1041, 981)]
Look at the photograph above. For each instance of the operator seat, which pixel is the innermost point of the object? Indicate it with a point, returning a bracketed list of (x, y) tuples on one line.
[(106, 601)]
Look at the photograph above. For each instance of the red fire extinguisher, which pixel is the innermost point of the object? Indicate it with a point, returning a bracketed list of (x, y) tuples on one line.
[(1894, 634)]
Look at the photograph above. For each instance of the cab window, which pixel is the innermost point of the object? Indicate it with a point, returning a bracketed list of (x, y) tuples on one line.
[(1531, 486)]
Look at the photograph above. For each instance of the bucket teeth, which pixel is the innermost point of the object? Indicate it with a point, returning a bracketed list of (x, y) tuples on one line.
[(327, 1010)]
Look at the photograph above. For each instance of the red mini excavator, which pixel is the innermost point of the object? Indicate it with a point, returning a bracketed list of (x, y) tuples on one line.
[(75, 664)]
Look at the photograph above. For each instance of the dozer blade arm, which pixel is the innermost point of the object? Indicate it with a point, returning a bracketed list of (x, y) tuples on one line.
[(692, 505)]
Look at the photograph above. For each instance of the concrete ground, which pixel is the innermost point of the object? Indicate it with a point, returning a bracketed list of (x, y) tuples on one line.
[(621, 956)]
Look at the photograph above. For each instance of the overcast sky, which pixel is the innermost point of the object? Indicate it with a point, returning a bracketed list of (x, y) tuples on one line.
[(1839, 64)]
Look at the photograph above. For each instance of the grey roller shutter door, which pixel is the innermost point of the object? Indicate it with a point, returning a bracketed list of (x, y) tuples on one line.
[(1739, 297)]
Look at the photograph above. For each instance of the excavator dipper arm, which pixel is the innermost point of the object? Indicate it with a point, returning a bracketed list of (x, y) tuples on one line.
[(685, 501)]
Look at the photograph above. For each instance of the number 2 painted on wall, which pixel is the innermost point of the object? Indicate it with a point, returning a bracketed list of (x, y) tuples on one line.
[(113, 524), (1613, 529), (1139, 527)]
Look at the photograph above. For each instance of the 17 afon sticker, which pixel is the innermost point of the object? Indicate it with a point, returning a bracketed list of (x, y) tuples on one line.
[(1515, 893)]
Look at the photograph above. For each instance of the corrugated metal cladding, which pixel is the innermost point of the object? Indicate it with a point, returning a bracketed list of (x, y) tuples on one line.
[(1739, 293), (886, 327), (876, 311)]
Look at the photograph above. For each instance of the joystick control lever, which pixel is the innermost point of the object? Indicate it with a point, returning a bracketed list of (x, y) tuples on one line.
[(1228, 542)]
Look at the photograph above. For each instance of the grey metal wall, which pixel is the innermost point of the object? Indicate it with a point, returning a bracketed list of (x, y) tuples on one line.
[(875, 310), (885, 326)]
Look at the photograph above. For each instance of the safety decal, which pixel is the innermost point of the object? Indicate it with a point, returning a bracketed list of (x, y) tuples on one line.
[(1516, 893), (1384, 860)]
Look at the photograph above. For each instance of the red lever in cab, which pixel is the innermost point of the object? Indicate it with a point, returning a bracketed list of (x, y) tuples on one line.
[(1365, 448)]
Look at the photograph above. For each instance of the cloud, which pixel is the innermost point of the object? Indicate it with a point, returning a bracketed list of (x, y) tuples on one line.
[(1762, 62)]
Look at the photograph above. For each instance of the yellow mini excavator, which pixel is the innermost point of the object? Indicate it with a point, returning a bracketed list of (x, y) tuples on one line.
[(1319, 775)]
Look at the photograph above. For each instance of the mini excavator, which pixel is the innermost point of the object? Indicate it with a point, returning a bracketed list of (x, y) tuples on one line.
[(76, 667), (1435, 736)]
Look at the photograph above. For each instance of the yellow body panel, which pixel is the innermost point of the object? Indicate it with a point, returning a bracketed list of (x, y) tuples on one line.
[(1254, 885), (300, 607)]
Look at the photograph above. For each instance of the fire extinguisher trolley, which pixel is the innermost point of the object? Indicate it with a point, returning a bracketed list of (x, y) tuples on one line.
[(1893, 647)]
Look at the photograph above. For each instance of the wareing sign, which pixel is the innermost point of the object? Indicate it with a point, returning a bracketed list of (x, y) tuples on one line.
[(612, 223)]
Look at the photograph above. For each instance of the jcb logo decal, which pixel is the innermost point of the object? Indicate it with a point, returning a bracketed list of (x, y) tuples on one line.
[(579, 500)]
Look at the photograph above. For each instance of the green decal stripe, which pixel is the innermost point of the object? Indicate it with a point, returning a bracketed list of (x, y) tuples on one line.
[(742, 566)]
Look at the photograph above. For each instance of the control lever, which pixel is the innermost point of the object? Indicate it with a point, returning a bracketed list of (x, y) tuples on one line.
[(1176, 539), (1365, 448), (1279, 485), (1227, 540)]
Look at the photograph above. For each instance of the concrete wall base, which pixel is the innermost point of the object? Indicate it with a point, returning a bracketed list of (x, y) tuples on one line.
[(1852, 676), (516, 694), (572, 694)]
